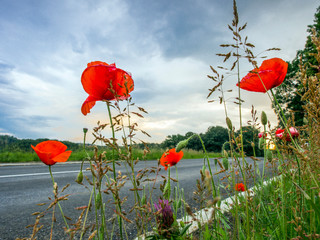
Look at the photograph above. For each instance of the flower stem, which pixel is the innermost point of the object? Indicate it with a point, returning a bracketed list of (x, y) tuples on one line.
[(85, 218), (214, 193), (64, 219), (114, 169)]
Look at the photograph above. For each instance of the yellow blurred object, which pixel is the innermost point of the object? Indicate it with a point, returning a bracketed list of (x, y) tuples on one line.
[(270, 145)]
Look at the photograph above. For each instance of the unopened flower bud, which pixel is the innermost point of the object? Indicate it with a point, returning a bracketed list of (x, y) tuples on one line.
[(85, 130), (80, 177), (229, 123), (264, 119), (181, 145)]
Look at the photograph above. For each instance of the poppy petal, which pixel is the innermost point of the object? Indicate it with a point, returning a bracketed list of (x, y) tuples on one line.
[(170, 158), (88, 104), (45, 157), (51, 152), (62, 157), (96, 80), (54, 147), (104, 81), (100, 63), (123, 84), (272, 73)]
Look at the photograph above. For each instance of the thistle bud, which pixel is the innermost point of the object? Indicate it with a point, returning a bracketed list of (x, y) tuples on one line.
[(229, 123), (269, 155), (80, 177), (264, 119), (181, 145)]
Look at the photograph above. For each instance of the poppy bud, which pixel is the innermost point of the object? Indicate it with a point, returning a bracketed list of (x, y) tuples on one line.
[(181, 145), (229, 123), (264, 119), (98, 200), (80, 177), (269, 155)]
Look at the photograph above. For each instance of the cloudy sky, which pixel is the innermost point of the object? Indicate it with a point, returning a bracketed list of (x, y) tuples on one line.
[(166, 45)]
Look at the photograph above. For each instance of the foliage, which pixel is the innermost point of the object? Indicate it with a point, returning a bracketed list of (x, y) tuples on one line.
[(10, 143), (286, 207), (290, 92), (250, 135)]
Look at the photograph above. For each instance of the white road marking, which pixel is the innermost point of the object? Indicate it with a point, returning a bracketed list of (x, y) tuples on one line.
[(36, 174)]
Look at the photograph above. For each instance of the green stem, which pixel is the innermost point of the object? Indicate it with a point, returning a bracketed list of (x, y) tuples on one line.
[(264, 152), (214, 193), (84, 148), (114, 169), (95, 202), (169, 184), (241, 142), (85, 218), (64, 219)]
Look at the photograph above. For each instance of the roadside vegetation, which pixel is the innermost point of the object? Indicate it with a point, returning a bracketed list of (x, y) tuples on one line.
[(79, 155), (288, 207)]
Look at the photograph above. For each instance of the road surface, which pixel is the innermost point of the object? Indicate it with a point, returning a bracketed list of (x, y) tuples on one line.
[(23, 186)]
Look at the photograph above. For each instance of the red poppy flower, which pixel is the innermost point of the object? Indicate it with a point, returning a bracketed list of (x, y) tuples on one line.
[(272, 73), (51, 152), (104, 81), (239, 187), (262, 134), (280, 133), (294, 133), (170, 158)]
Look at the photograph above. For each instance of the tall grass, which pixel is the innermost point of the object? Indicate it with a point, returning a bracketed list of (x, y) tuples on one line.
[(286, 208), (79, 155)]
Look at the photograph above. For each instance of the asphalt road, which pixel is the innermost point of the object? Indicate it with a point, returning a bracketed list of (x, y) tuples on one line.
[(24, 186)]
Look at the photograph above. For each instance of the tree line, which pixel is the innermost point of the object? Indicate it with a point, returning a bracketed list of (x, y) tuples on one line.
[(13, 144), (213, 139), (289, 93)]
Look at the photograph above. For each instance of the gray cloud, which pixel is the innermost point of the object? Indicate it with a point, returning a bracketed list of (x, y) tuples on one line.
[(166, 45)]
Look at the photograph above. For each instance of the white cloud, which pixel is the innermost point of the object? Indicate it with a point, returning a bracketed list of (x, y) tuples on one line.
[(167, 47)]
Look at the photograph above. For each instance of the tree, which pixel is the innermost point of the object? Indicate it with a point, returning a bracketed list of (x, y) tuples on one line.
[(194, 143), (290, 91), (214, 138), (249, 135), (172, 140)]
